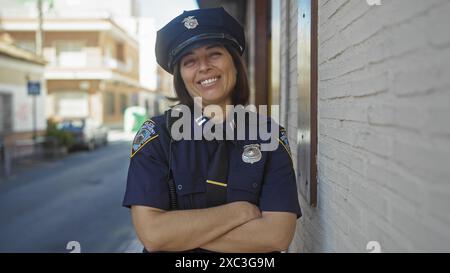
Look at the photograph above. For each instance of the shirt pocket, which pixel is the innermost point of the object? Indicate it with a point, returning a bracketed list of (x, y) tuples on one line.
[(191, 191), (245, 183)]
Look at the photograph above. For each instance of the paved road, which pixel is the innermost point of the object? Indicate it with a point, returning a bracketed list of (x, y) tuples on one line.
[(74, 199)]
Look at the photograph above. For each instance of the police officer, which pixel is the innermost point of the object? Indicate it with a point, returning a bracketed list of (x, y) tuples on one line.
[(216, 195)]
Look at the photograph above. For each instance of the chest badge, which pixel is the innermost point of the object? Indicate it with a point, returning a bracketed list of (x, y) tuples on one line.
[(252, 153)]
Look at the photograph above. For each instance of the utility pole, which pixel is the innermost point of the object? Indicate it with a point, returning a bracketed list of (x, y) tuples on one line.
[(34, 119), (39, 52), (40, 29)]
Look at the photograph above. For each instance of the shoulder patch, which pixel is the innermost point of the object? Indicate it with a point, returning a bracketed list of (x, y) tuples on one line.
[(284, 140), (146, 134)]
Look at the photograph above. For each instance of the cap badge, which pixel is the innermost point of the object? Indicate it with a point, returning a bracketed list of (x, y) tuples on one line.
[(190, 22), (251, 154)]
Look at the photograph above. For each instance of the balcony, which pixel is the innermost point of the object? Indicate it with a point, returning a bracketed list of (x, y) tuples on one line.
[(82, 60)]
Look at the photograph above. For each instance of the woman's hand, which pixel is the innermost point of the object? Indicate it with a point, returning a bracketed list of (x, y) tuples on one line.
[(246, 210)]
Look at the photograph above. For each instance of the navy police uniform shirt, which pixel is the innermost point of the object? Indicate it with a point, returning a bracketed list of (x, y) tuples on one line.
[(269, 183)]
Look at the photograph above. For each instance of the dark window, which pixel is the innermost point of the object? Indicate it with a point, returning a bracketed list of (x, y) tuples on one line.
[(120, 51), (147, 107), (123, 103), (5, 113), (110, 103)]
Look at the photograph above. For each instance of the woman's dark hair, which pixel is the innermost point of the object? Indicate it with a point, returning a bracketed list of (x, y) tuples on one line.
[(239, 95)]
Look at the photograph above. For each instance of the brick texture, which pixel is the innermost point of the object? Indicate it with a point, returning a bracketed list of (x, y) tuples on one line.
[(384, 134)]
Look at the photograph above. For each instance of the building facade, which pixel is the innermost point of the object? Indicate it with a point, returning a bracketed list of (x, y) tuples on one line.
[(373, 81), (92, 70), (94, 57), (22, 115)]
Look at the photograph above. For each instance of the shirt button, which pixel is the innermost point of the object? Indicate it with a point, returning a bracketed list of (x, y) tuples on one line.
[(255, 185), (180, 187)]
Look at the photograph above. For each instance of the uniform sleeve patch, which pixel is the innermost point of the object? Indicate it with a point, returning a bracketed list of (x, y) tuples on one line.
[(284, 140), (146, 134)]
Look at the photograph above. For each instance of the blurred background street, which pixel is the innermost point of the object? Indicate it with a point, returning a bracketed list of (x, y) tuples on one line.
[(78, 198), (363, 89), (77, 79)]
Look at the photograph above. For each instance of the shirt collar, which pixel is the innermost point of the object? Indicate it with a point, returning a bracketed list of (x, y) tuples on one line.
[(201, 120)]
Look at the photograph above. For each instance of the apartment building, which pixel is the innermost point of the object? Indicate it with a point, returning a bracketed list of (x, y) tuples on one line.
[(21, 113), (93, 56)]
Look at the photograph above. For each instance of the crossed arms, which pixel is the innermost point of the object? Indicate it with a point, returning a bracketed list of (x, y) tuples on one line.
[(234, 227)]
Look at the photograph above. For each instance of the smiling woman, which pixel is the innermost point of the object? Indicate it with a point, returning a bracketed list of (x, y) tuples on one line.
[(217, 62), (208, 72), (226, 195)]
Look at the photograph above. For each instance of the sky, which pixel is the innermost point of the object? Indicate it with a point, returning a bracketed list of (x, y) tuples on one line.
[(165, 10)]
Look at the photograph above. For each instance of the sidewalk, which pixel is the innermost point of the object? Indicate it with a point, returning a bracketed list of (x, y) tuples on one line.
[(134, 246), (26, 163)]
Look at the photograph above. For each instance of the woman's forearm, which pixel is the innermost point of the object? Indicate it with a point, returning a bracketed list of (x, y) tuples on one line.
[(272, 232), (188, 229)]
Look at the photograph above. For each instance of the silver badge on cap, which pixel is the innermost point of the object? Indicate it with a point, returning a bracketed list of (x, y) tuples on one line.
[(251, 154), (190, 22)]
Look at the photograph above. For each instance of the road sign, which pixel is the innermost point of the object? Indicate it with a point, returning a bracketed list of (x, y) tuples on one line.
[(34, 88)]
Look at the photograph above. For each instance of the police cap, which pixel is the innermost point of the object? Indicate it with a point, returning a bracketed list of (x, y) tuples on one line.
[(193, 29)]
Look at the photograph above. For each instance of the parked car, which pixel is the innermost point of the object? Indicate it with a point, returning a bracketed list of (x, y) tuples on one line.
[(87, 133)]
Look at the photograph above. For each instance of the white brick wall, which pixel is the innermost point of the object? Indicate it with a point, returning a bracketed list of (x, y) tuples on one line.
[(384, 134)]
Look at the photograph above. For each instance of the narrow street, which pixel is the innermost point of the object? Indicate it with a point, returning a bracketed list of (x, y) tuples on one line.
[(77, 198)]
